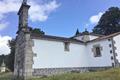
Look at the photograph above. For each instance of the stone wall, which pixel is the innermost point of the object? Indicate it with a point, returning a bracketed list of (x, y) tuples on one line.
[(54, 71)]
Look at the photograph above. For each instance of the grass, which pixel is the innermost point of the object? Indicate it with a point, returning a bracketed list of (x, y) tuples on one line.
[(112, 74), (6, 76)]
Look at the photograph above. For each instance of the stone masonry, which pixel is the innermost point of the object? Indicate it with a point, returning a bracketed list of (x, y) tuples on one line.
[(23, 52)]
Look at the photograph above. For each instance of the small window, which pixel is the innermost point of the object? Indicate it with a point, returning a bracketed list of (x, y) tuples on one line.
[(97, 50), (66, 46)]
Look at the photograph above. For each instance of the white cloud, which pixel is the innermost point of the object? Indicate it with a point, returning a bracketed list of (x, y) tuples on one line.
[(3, 25), (41, 12), (1, 16), (38, 12), (4, 49), (95, 18)]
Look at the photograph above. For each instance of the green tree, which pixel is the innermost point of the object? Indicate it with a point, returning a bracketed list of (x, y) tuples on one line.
[(38, 31), (1, 59), (109, 22), (10, 58)]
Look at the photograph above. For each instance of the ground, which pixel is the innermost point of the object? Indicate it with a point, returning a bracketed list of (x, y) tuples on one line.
[(112, 74)]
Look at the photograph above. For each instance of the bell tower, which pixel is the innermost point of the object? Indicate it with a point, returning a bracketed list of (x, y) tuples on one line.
[(23, 15)]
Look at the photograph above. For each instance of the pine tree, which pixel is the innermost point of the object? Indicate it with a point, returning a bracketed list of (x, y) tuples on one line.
[(109, 22)]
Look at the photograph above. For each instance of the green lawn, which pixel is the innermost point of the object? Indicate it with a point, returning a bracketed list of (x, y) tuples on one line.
[(112, 74), (6, 76)]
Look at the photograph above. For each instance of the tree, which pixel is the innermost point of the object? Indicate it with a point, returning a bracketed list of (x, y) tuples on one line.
[(38, 31), (10, 58), (109, 22), (1, 59)]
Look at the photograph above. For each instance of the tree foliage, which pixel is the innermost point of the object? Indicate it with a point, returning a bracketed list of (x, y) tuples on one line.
[(38, 31), (1, 59), (9, 59), (109, 22)]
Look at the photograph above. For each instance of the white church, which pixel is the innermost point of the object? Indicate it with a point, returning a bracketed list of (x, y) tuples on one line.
[(41, 54)]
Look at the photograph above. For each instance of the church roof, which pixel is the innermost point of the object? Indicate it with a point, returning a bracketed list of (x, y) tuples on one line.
[(105, 37), (54, 38), (63, 39), (85, 33)]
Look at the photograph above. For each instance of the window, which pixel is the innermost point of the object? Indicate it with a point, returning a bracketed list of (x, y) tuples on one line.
[(97, 50), (66, 46)]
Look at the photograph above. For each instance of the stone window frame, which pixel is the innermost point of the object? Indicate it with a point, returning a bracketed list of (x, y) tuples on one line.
[(114, 42), (66, 46), (113, 64), (94, 50), (109, 39), (116, 54), (112, 57), (111, 51), (115, 48), (110, 45)]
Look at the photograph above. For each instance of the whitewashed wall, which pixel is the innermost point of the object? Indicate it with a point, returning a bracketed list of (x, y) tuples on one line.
[(117, 45), (79, 38), (91, 37), (105, 59), (51, 54)]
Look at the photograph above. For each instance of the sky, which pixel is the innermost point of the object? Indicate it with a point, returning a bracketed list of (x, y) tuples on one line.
[(54, 17)]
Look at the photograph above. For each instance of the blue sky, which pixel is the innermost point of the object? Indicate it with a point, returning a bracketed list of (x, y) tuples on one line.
[(63, 21), (54, 17)]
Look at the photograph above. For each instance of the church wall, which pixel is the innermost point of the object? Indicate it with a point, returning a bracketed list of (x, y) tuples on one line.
[(104, 59), (79, 37), (117, 47), (91, 37), (51, 54), (50, 57)]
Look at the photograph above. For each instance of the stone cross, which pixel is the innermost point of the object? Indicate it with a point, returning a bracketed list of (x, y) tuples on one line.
[(24, 1)]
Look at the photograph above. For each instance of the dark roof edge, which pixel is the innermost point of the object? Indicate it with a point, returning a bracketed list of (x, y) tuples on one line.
[(96, 34), (81, 34), (105, 37), (54, 38)]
